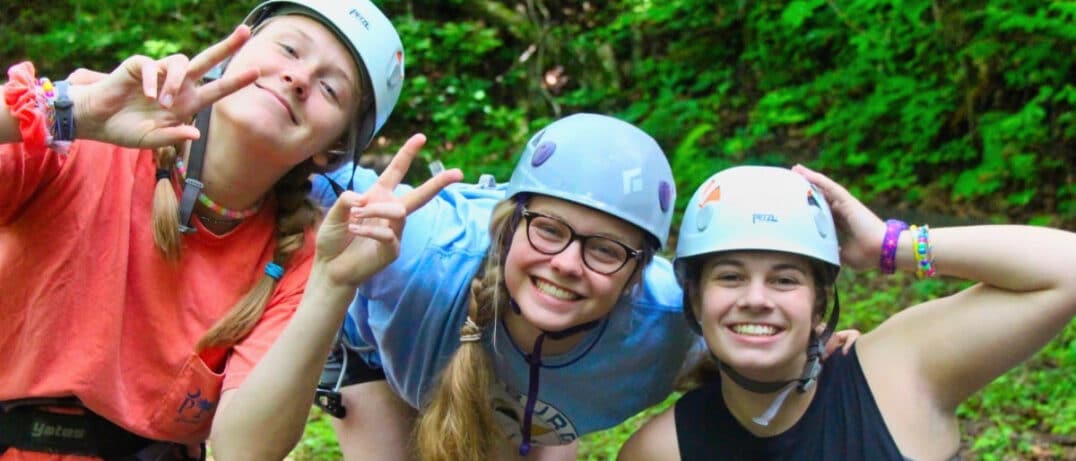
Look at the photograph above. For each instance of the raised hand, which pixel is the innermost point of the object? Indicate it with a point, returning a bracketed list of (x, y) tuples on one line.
[(862, 230), (361, 232), (150, 103)]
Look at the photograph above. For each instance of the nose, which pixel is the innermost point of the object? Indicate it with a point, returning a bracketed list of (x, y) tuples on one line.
[(297, 79), (755, 296), (569, 261)]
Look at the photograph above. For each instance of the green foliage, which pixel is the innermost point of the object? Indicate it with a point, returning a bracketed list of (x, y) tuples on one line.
[(319, 440)]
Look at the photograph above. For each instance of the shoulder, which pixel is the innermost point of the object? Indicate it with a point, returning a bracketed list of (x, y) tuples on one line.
[(656, 440), (659, 289)]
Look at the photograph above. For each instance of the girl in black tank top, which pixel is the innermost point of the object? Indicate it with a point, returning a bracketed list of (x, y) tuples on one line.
[(758, 257)]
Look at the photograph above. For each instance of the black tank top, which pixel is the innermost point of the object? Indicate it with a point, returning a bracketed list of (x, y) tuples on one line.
[(841, 423)]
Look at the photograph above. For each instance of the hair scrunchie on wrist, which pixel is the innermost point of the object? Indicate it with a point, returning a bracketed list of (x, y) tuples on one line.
[(27, 105)]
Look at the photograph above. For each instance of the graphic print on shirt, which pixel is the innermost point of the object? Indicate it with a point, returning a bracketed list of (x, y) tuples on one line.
[(194, 408), (549, 426)]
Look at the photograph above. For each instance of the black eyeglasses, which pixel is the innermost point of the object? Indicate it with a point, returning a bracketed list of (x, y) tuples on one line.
[(549, 235)]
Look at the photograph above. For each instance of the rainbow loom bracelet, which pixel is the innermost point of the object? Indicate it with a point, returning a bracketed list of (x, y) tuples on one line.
[(924, 252)]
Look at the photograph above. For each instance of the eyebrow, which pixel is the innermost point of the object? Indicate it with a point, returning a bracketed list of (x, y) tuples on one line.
[(740, 264), (333, 67)]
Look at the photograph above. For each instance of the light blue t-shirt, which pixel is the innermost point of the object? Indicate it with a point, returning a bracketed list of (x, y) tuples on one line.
[(412, 312)]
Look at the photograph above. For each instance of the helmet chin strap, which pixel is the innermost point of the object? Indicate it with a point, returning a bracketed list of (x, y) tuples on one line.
[(534, 360), (811, 370), (192, 185)]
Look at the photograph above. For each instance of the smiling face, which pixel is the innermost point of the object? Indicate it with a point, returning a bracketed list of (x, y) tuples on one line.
[(307, 92), (556, 292), (756, 310)]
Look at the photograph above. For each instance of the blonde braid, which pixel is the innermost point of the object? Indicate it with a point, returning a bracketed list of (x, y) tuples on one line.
[(295, 214), (458, 423), (166, 207)]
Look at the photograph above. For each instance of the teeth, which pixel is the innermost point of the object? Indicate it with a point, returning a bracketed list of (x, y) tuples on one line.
[(554, 291), (751, 329)]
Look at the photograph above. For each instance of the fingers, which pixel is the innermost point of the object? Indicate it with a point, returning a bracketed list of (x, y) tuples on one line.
[(142, 69), (341, 209), (383, 234), (175, 72), (213, 91), (218, 52), (416, 198), (167, 136), (830, 189), (394, 173), (848, 338), (83, 76)]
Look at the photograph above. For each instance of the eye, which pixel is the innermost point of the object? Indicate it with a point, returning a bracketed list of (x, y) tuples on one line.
[(329, 89), (289, 50), (548, 229), (787, 281), (728, 276), (605, 250)]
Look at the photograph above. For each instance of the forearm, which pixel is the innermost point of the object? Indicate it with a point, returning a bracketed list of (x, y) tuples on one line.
[(265, 416), (1013, 258)]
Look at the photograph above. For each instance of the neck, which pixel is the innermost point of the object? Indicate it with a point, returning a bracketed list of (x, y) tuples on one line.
[(746, 405), (524, 334), (227, 175)]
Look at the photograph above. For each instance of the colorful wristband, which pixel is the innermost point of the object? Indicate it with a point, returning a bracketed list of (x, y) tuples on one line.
[(924, 252), (888, 260)]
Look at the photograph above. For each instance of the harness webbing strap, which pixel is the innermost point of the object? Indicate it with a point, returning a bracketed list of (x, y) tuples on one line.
[(193, 186), (31, 428)]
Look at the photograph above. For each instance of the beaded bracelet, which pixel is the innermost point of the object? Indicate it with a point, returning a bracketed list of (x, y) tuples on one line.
[(924, 251), (887, 262)]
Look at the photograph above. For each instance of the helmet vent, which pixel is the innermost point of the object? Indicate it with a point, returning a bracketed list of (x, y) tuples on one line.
[(665, 196), (702, 220), (542, 153)]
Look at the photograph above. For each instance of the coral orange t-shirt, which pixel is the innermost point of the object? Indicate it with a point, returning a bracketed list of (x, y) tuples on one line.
[(89, 307)]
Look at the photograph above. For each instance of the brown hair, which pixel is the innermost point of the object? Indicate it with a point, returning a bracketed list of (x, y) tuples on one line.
[(295, 214), (457, 421)]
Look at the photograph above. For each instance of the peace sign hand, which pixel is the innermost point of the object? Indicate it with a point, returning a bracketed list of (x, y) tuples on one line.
[(361, 233), (150, 103)]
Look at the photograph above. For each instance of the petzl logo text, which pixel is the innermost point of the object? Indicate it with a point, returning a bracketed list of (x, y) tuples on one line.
[(357, 15), (762, 217)]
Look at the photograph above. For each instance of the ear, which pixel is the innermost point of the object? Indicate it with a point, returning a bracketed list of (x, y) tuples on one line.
[(321, 160)]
